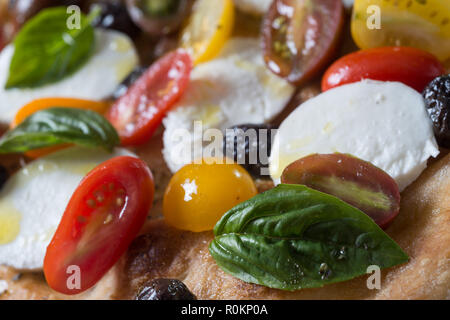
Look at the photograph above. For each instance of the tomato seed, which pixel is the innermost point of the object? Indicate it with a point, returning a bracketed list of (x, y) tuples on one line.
[(91, 203)]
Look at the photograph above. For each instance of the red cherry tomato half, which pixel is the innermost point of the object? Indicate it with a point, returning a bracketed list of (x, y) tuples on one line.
[(357, 182), (104, 215), (411, 66), (299, 36), (138, 113)]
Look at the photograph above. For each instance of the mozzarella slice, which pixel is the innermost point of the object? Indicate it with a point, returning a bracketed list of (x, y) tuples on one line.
[(258, 7), (113, 59), (233, 89), (33, 201), (384, 123)]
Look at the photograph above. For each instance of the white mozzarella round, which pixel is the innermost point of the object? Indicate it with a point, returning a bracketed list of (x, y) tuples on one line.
[(258, 7), (113, 59), (384, 123), (33, 201), (233, 89)]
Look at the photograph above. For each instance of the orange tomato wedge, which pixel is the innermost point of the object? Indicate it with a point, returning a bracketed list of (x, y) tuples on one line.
[(37, 153), (46, 103)]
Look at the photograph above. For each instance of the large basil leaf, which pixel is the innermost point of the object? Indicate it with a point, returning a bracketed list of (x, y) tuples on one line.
[(54, 126), (294, 237), (46, 50)]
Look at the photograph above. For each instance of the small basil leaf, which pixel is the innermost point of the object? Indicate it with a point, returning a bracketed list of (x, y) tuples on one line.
[(46, 50), (293, 237), (54, 126)]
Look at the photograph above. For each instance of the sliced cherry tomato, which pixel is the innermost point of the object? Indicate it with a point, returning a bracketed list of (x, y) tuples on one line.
[(138, 113), (300, 36), (45, 103), (354, 181), (41, 152), (414, 67), (209, 27), (104, 215), (423, 24)]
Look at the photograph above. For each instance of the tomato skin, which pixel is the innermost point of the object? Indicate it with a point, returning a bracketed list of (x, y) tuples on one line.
[(353, 180), (300, 37), (208, 31), (199, 194), (138, 113), (94, 232), (41, 152), (45, 103), (413, 67)]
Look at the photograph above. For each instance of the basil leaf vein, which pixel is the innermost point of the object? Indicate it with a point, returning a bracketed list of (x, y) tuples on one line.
[(46, 50), (59, 125), (293, 237)]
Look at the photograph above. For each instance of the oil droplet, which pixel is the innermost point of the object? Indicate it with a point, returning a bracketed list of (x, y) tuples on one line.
[(211, 115), (9, 223), (124, 68), (342, 253), (120, 45), (324, 271), (364, 241), (299, 270)]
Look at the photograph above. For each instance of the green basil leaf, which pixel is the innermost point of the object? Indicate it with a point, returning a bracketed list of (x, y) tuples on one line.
[(54, 126), (293, 237), (46, 50)]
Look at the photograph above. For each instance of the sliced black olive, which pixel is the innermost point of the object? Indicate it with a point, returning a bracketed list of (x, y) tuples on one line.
[(158, 17), (250, 146), (114, 15), (165, 289), (437, 100), (4, 175), (128, 82)]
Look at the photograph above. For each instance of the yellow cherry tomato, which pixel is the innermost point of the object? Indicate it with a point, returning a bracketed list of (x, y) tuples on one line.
[(199, 194), (209, 27), (45, 103), (424, 24)]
